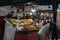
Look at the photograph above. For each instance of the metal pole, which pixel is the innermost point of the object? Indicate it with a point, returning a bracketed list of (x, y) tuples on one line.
[(54, 33), (55, 6)]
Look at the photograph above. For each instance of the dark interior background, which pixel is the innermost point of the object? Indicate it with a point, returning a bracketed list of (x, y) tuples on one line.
[(40, 2)]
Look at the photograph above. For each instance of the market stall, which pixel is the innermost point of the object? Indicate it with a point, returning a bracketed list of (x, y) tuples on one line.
[(20, 29), (28, 24)]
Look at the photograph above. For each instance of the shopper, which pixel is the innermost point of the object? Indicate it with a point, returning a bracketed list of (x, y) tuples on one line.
[(19, 14), (42, 31), (53, 31)]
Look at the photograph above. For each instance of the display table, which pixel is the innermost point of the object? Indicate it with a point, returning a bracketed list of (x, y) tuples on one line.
[(11, 33), (27, 35)]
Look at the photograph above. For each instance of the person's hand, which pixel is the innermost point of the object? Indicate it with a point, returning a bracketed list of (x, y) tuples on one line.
[(39, 25)]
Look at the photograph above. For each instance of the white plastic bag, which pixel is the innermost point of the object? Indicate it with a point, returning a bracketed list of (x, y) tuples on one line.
[(9, 32)]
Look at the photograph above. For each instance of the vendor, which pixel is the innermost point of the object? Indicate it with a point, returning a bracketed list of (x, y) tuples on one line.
[(19, 13)]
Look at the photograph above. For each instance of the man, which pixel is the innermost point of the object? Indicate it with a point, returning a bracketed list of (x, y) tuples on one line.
[(53, 31), (42, 31)]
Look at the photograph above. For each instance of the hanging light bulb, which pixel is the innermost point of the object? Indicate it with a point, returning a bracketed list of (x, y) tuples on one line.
[(33, 10), (49, 20), (46, 20), (30, 13)]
